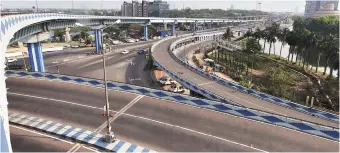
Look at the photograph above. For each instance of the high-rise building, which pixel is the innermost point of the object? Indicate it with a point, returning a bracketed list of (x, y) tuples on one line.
[(158, 8), (312, 6), (135, 9)]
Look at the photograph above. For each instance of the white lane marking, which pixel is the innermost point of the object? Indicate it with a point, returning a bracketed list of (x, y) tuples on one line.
[(101, 127), (92, 57), (120, 112), (143, 118), (53, 137), (206, 83), (130, 115)]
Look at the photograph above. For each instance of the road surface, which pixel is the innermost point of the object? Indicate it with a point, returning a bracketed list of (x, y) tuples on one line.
[(163, 57), (156, 124)]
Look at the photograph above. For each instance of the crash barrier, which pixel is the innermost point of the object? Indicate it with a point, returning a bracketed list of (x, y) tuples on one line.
[(279, 120), (257, 94)]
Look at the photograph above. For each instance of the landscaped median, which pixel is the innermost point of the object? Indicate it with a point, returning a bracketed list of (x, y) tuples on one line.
[(77, 134)]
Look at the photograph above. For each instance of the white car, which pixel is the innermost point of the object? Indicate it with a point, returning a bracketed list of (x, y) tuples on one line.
[(166, 81), (75, 46), (176, 89), (11, 60), (125, 52)]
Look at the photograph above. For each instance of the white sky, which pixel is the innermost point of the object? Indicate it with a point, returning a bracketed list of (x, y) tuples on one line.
[(267, 5)]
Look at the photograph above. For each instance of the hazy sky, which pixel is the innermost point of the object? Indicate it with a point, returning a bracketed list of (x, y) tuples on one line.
[(267, 5)]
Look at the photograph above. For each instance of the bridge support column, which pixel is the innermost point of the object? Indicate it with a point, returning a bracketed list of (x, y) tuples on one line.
[(145, 27), (67, 35), (36, 57), (165, 26), (35, 50), (98, 37), (173, 30)]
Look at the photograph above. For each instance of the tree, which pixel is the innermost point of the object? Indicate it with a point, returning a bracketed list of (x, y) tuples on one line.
[(228, 34), (282, 35), (257, 34), (59, 33), (84, 35)]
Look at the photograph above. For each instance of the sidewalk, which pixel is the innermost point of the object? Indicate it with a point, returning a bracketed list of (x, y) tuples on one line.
[(200, 57)]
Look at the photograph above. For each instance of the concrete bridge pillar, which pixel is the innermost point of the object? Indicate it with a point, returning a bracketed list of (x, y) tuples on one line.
[(20, 44), (165, 26), (36, 57), (145, 30), (67, 35), (98, 39), (35, 50), (173, 29)]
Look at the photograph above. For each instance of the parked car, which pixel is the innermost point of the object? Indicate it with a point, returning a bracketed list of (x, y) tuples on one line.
[(75, 46), (11, 60), (82, 45), (141, 51), (125, 52), (176, 89), (165, 80)]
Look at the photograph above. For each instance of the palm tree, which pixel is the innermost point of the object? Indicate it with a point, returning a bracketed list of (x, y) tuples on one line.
[(282, 35), (228, 34), (257, 34), (332, 53)]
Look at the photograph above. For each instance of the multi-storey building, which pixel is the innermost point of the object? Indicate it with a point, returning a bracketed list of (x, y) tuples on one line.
[(157, 8), (313, 6)]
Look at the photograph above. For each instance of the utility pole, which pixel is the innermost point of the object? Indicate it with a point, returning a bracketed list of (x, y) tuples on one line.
[(36, 3), (72, 5)]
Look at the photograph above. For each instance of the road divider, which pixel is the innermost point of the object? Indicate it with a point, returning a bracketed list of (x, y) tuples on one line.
[(74, 133), (238, 111)]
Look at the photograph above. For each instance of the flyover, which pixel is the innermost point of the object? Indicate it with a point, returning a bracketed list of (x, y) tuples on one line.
[(216, 88), (17, 27)]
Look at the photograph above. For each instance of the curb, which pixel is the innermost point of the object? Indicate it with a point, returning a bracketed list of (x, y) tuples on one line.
[(74, 133)]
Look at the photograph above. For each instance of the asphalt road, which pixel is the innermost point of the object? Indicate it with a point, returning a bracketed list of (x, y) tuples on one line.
[(26, 140), (156, 124), (163, 57)]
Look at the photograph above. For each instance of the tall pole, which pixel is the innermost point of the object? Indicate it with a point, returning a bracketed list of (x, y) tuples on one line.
[(108, 138), (72, 5), (36, 3)]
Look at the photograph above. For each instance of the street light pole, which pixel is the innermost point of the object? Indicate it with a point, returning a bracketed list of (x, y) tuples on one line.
[(109, 137)]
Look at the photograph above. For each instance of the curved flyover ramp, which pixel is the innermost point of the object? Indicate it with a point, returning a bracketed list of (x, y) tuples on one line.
[(168, 62)]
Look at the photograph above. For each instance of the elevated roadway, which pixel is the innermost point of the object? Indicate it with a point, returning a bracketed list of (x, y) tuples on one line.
[(163, 57), (156, 124)]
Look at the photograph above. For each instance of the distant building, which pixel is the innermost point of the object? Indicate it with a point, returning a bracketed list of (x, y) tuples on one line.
[(135, 9), (313, 6), (127, 9), (158, 8), (326, 9)]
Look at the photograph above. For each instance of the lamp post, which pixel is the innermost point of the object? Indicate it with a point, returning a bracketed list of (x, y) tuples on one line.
[(109, 137)]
